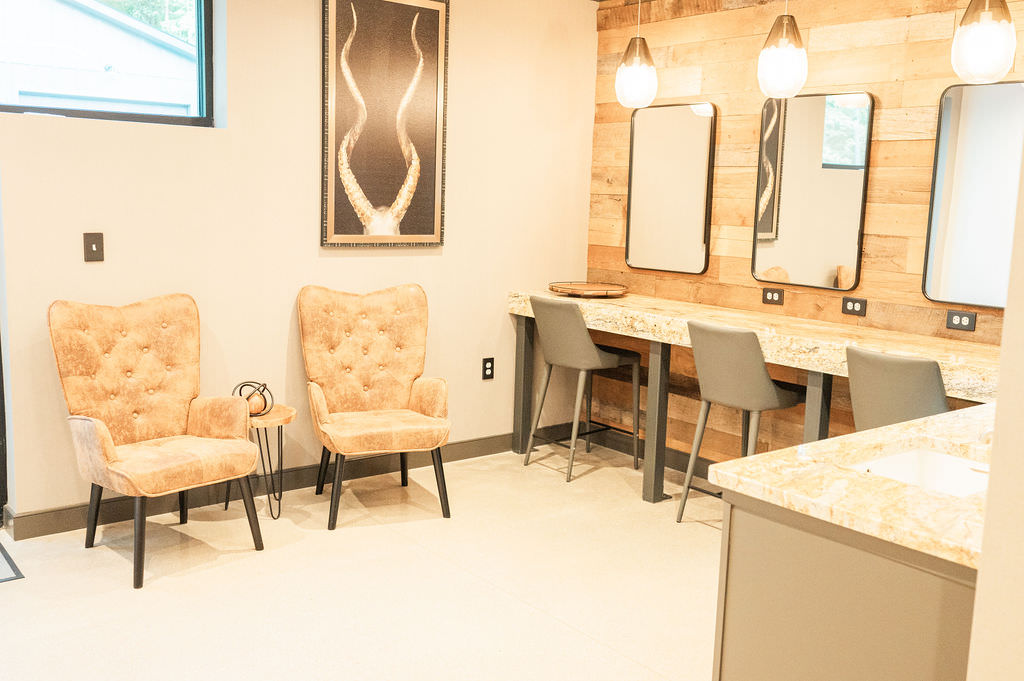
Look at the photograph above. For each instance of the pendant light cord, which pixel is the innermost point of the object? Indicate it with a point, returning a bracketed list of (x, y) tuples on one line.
[(638, 17)]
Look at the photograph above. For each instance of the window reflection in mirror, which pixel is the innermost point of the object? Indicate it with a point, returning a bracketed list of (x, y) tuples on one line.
[(668, 219), (811, 185), (974, 194)]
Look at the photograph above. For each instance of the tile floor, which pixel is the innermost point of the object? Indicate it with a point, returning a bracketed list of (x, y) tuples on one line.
[(531, 579), (7, 569)]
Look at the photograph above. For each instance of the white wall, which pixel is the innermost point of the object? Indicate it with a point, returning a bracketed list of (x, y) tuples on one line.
[(231, 215), (996, 652)]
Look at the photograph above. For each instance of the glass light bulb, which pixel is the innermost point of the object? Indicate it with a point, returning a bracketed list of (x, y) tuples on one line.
[(636, 80), (985, 42), (782, 64)]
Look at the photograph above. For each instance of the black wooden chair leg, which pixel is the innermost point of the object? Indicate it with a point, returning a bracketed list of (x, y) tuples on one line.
[(339, 472), (93, 518), (250, 512), (227, 494), (404, 459), (139, 558), (321, 475), (182, 507), (442, 491)]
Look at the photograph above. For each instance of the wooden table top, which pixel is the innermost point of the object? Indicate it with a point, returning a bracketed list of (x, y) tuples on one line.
[(969, 370), (279, 415)]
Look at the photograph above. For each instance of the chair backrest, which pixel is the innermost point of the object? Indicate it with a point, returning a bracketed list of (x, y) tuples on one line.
[(364, 350), (564, 338), (887, 389), (136, 367), (730, 367)]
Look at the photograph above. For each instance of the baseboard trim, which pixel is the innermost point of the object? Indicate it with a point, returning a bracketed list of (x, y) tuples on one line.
[(117, 508), (674, 458)]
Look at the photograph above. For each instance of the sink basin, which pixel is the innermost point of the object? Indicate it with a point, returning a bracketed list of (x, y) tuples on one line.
[(934, 471)]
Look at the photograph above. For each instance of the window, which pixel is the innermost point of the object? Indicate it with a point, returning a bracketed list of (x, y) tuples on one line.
[(136, 60), (846, 138)]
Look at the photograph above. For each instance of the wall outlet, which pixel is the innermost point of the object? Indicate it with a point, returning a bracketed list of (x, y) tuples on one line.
[(93, 246), (487, 371), (961, 321), (773, 296), (855, 306)]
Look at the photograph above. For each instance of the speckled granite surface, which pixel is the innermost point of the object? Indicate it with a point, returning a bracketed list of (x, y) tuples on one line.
[(969, 370), (812, 479)]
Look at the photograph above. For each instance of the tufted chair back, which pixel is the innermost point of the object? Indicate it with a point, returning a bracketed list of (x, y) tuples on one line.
[(364, 350), (136, 368)]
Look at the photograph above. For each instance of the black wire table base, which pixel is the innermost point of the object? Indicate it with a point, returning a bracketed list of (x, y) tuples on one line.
[(273, 480)]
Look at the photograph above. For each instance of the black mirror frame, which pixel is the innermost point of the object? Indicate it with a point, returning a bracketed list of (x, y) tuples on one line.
[(931, 199), (708, 191), (863, 201)]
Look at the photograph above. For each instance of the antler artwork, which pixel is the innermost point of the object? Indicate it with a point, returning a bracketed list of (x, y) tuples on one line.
[(383, 219), (766, 164)]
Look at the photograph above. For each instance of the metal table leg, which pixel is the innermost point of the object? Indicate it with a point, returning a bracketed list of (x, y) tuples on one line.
[(657, 422), (819, 405), (275, 486), (523, 404), (273, 481)]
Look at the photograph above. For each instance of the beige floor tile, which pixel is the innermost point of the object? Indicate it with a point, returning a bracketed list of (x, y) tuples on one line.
[(531, 578)]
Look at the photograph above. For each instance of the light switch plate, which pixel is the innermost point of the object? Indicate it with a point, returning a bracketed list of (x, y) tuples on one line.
[(93, 246), (855, 306), (773, 296), (961, 321)]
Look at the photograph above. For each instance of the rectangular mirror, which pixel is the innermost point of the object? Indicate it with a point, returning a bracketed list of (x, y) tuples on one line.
[(668, 217), (811, 187), (974, 194)]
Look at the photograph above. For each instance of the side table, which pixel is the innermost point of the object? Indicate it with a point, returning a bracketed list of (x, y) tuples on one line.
[(278, 417)]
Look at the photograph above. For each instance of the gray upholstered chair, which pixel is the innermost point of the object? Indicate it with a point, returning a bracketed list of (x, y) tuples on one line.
[(732, 373), (886, 389), (565, 342)]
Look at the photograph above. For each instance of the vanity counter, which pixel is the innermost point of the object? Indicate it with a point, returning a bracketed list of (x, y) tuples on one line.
[(816, 480), (821, 558), (970, 371)]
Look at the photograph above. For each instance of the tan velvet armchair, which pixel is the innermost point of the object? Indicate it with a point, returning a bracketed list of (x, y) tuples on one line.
[(364, 359), (131, 381)]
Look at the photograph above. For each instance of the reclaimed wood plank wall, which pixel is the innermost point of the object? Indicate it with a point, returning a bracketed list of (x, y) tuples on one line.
[(706, 50)]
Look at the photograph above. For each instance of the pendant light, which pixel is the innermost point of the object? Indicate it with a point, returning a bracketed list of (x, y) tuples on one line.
[(636, 81), (985, 42), (782, 65)]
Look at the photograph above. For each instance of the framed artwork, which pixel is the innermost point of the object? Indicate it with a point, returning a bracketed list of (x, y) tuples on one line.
[(769, 170), (385, 67)]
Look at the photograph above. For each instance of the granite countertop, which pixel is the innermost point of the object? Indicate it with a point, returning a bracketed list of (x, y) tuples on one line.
[(969, 370), (811, 479)]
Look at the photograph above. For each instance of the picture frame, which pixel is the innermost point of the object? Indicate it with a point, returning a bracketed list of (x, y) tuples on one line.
[(769, 170), (384, 101)]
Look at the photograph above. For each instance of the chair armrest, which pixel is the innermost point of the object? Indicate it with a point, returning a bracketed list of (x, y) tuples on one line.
[(218, 417), (317, 403), (93, 445), (430, 397), (95, 450)]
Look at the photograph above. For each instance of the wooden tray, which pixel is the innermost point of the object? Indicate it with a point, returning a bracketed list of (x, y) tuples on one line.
[(585, 289)]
